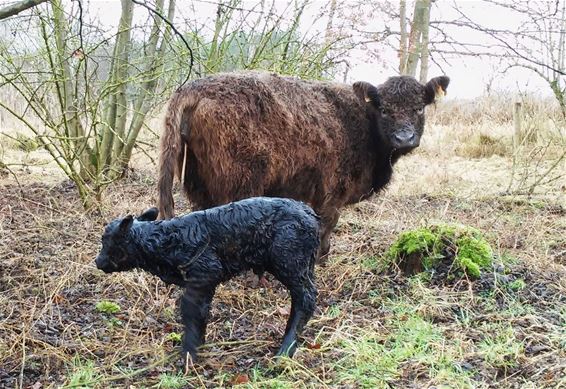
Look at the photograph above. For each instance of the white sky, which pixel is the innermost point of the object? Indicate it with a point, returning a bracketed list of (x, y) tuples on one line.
[(468, 75)]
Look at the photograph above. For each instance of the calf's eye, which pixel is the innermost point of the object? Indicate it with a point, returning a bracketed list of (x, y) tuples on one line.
[(420, 111)]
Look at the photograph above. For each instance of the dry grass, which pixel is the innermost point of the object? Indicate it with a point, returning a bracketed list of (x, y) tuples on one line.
[(484, 127)]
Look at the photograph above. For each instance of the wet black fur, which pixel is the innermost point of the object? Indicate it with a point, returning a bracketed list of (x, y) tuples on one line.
[(202, 249)]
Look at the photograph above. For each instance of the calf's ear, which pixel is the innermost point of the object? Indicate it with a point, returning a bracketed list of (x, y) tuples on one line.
[(148, 215), (125, 224), (366, 92), (436, 87)]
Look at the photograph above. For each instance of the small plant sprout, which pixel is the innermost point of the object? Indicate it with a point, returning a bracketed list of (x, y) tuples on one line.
[(518, 284), (107, 307), (174, 337)]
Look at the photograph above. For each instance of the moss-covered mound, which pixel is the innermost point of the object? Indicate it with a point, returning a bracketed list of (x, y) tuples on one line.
[(462, 248)]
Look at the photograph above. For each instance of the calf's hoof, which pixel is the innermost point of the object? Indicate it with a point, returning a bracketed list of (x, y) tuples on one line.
[(189, 354), (189, 360), (287, 350)]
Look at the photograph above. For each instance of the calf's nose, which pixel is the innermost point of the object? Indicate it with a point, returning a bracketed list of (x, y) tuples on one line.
[(99, 262)]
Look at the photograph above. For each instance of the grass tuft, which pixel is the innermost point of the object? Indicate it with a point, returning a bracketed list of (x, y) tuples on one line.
[(172, 381), (83, 374), (484, 146), (430, 245)]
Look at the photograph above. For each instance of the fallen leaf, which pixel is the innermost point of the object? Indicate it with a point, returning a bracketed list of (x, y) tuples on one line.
[(240, 379), (283, 311), (57, 299), (37, 385), (314, 346)]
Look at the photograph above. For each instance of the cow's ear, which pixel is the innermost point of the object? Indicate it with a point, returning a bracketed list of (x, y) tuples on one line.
[(366, 92), (435, 88), (125, 224), (148, 215)]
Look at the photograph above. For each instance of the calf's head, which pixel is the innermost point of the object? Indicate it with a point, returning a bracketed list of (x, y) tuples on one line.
[(397, 107), (116, 253)]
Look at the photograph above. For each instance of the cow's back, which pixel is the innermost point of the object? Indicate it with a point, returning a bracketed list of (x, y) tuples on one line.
[(255, 134)]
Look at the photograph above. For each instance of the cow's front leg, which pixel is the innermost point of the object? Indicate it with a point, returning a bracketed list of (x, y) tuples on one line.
[(329, 221), (195, 308)]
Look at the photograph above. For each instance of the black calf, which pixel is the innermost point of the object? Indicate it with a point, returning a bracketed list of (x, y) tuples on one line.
[(199, 250)]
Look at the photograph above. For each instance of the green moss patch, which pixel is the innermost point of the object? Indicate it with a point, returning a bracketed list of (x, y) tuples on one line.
[(462, 249)]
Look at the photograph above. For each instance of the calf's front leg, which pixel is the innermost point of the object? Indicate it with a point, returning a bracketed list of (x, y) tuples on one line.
[(195, 308)]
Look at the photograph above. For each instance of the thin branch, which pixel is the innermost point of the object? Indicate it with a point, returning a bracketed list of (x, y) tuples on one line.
[(15, 9), (170, 23)]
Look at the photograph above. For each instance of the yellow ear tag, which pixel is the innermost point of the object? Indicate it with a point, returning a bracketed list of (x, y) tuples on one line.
[(439, 93)]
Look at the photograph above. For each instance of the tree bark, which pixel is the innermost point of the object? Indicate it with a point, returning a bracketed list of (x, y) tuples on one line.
[(123, 48), (415, 45), (424, 42), (404, 37)]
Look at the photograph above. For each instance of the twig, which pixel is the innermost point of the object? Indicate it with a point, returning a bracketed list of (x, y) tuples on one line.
[(170, 24), (23, 356)]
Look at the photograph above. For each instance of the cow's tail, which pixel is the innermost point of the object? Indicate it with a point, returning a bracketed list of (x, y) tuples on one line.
[(172, 158)]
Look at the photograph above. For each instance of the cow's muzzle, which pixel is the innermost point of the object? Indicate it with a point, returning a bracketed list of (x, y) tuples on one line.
[(405, 138)]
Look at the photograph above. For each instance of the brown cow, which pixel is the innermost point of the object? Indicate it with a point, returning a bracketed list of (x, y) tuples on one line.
[(240, 135)]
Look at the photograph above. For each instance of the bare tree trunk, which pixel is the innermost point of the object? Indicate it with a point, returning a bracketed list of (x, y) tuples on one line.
[(154, 66), (415, 45), (14, 9), (328, 31), (123, 48), (79, 149), (212, 63), (404, 37), (424, 42)]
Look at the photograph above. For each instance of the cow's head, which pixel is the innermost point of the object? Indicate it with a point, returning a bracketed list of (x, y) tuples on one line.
[(116, 253), (398, 106)]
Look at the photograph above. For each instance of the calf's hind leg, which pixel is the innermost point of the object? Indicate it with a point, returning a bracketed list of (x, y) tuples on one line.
[(292, 263), (195, 308), (303, 300)]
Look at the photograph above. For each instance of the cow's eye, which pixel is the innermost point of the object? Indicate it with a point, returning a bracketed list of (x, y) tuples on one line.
[(420, 111), (385, 111)]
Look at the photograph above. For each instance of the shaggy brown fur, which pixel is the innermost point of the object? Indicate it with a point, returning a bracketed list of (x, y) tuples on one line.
[(259, 134)]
